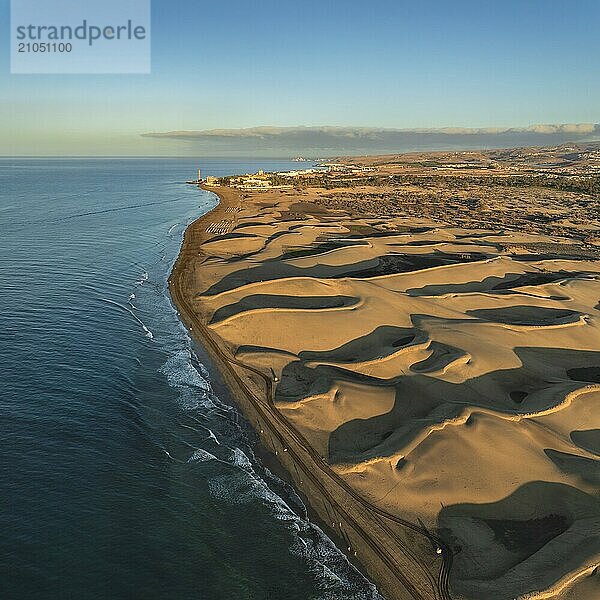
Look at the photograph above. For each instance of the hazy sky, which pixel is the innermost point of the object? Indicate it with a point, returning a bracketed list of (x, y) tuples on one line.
[(398, 64)]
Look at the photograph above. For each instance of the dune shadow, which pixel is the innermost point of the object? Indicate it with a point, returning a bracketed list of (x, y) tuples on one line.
[(247, 224), (522, 543), (422, 401), (545, 256), (517, 396), (320, 248), (232, 235), (441, 356), (380, 342), (299, 381), (389, 264), (538, 278), (262, 301), (591, 374), (392, 264), (588, 439), (496, 284), (532, 316), (278, 269), (587, 469)]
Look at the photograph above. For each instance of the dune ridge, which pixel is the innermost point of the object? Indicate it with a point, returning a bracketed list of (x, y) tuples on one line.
[(444, 374)]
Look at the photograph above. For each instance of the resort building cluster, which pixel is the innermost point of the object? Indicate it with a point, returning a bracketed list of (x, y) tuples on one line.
[(281, 180)]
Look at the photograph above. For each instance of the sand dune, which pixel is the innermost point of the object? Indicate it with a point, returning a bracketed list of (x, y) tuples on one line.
[(452, 377)]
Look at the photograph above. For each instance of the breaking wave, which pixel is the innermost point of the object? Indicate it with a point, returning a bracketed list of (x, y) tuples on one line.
[(242, 480)]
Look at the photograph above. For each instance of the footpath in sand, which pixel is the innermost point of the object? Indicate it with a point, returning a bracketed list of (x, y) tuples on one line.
[(450, 377)]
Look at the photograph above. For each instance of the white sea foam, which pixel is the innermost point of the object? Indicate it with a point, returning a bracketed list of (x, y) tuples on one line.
[(239, 459), (201, 455), (143, 278), (204, 371), (238, 488), (180, 371), (337, 577), (169, 454), (195, 392), (243, 485), (193, 399), (212, 436)]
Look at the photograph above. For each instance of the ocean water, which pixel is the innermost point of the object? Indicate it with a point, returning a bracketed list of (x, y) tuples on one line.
[(124, 473)]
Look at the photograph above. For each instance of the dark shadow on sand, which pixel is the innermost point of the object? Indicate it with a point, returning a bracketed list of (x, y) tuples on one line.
[(538, 534), (262, 301)]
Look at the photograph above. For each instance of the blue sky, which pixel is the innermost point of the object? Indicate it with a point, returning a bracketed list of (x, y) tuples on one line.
[(399, 64)]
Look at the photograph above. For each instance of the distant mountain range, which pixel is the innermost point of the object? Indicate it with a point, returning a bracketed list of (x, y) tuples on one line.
[(329, 140)]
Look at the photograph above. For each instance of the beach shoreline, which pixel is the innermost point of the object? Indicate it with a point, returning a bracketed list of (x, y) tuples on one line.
[(375, 544)]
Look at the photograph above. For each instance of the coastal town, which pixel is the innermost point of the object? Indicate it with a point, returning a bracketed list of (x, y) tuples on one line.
[(550, 190), (288, 179)]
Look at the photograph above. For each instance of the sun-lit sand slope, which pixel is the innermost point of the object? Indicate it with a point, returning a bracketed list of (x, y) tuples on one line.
[(450, 376)]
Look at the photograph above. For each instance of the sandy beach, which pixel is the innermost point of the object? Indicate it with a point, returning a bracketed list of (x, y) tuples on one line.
[(432, 389)]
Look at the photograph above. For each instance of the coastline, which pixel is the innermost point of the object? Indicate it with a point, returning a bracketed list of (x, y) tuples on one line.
[(391, 550)]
